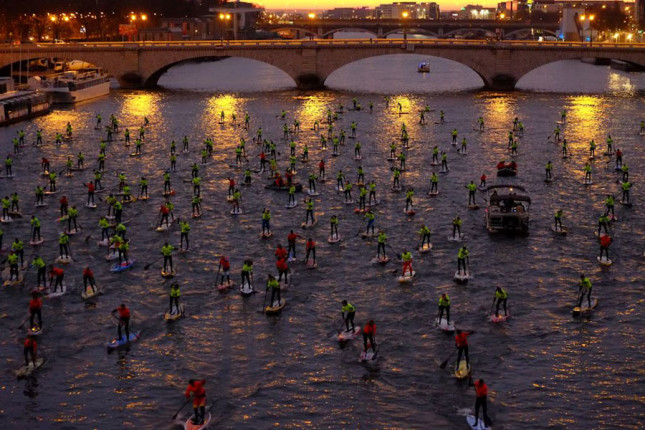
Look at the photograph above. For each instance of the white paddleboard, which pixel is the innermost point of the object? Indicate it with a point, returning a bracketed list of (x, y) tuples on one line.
[(585, 307), (407, 277), (345, 335), (25, 371), (463, 276), (470, 419), (604, 261), (443, 325), (456, 238), (59, 292), (558, 231), (246, 289)]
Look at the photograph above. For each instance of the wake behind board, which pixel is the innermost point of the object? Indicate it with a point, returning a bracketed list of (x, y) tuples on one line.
[(425, 248), (345, 335), (118, 343), (558, 231), (25, 371), (309, 224), (604, 261), (276, 308), (585, 308), (188, 425), (88, 293), (58, 293), (246, 289), (443, 325), (463, 276), (174, 315), (407, 277), (470, 419), (462, 370)]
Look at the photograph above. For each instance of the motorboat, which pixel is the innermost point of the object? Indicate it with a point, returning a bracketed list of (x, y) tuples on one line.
[(507, 209)]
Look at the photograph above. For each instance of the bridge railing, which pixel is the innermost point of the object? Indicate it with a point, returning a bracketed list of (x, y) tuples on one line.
[(281, 43)]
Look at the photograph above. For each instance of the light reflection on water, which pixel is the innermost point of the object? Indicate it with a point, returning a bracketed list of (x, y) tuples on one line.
[(541, 366)]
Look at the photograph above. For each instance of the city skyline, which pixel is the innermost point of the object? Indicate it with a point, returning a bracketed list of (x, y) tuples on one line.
[(320, 5)]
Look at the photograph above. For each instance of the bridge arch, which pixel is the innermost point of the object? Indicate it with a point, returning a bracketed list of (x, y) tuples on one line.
[(522, 31), (412, 31), (348, 29), (482, 31)]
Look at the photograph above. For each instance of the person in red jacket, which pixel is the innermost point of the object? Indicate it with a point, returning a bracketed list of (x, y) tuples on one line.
[(283, 269), (88, 277), (63, 205), (30, 348), (35, 309), (310, 247), (196, 388), (461, 342), (163, 215), (90, 193), (369, 333), (481, 391), (225, 264), (124, 320), (231, 186), (482, 180), (280, 252), (605, 241), (291, 239), (58, 273), (321, 170)]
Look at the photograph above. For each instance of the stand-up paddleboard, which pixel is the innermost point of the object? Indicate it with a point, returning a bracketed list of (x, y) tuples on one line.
[(561, 231), (104, 242), (112, 255), (36, 242), (291, 205), (25, 371), (577, 310), (443, 324), (613, 217), (246, 289), (58, 293), (174, 315), (370, 356), (90, 205), (118, 343), (380, 260), (482, 187), (357, 157), (311, 265), (604, 261), (410, 212), (135, 154), (15, 282), (34, 331), (237, 211), (407, 277), (396, 189), (18, 214), (131, 200), (349, 202), (266, 235), (340, 189), (626, 204), (73, 231), (163, 227), (462, 370), (188, 425), (444, 170), (425, 248), (333, 239), (312, 193), (456, 237), (433, 193), (6, 219), (470, 419), (434, 163), (123, 266), (499, 319), (49, 193), (224, 286), (462, 276), (309, 224), (345, 335), (276, 308), (549, 180), (168, 193), (368, 235), (587, 182), (41, 205), (473, 207), (144, 198), (166, 274), (88, 292)]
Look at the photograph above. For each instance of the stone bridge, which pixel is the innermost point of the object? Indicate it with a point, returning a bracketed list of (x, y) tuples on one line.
[(309, 63), (380, 28)]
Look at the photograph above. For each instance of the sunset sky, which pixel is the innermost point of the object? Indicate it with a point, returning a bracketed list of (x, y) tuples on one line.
[(330, 4)]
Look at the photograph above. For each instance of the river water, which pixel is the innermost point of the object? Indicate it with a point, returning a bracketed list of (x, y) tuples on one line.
[(543, 367)]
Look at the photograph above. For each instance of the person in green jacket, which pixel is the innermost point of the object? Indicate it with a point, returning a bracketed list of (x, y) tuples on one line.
[(166, 251), (462, 259), (348, 312), (500, 297), (185, 228), (174, 297)]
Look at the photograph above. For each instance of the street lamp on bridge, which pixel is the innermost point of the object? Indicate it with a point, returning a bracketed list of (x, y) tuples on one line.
[(584, 19), (311, 17), (405, 15)]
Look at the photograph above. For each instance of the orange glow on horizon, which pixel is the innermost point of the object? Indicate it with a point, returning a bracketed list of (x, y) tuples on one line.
[(306, 6)]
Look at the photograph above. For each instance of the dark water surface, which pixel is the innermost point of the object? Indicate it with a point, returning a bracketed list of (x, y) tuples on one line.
[(543, 367)]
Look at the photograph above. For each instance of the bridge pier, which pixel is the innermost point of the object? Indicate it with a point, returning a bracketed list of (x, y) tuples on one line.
[(500, 83), (309, 81), (130, 81)]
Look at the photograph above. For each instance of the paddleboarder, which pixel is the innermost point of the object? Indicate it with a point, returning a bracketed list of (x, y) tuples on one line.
[(30, 346), (124, 321), (174, 297), (461, 342), (500, 298), (274, 285), (584, 287), (369, 333), (462, 259), (444, 305), (348, 312), (481, 393), (35, 310), (166, 251), (88, 278), (196, 389), (605, 241)]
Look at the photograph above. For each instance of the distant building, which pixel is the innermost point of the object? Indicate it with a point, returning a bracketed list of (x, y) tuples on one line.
[(639, 14), (349, 13), (414, 10), (234, 20), (476, 12)]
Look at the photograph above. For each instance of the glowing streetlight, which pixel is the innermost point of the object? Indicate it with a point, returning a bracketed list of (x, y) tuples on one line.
[(311, 16), (133, 17), (144, 17), (502, 15), (405, 15)]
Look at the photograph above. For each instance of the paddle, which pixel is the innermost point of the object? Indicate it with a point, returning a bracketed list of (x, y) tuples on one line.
[(264, 302), (23, 322), (361, 228), (397, 255), (147, 266), (491, 306), (217, 276), (445, 363), (179, 410)]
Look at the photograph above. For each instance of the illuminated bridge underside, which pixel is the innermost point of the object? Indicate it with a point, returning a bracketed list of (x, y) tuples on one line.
[(309, 63)]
